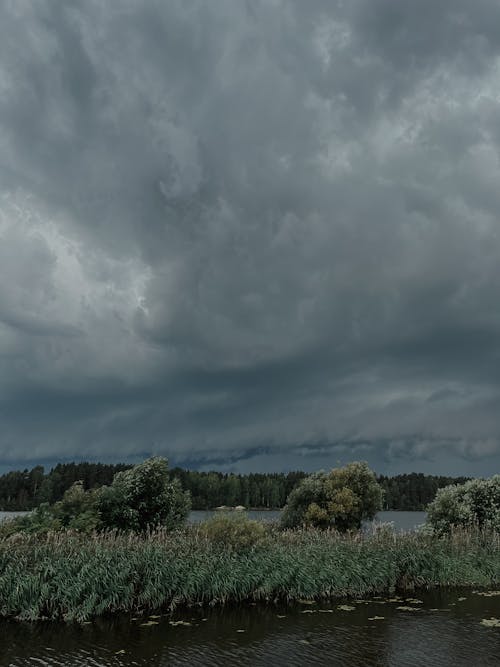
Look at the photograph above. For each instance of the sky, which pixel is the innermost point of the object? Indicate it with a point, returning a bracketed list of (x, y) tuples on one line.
[(251, 235)]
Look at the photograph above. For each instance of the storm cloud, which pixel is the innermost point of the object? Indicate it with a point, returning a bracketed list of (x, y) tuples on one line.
[(251, 235)]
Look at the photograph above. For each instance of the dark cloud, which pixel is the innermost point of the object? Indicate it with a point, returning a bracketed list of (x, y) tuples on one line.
[(251, 234)]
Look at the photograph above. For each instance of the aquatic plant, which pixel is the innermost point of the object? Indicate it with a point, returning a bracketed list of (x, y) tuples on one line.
[(67, 575)]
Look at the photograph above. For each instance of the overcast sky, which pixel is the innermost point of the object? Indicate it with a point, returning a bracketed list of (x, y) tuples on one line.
[(251, 235)]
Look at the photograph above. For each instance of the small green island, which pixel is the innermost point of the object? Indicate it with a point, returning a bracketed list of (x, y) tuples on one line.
[(127, 547)]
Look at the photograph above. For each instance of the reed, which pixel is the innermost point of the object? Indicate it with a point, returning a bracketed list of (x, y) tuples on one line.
[(72, 577)]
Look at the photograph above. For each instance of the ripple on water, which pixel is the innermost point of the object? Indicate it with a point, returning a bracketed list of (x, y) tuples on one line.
[(275, 636)]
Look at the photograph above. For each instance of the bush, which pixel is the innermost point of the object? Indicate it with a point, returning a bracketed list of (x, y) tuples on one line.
[(341, 499), (476, 502), (233, 531), (77, 510), (142, 498), (41, 520)]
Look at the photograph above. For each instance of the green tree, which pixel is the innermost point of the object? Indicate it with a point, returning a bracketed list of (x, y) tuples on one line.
[(341, 498), (143, 497), (477, 502), (78, 509)]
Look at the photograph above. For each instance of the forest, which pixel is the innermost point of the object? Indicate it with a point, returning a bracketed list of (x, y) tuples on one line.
[(25, 489)]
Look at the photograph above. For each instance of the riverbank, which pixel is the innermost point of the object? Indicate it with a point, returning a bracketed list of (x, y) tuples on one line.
[(70, 577)]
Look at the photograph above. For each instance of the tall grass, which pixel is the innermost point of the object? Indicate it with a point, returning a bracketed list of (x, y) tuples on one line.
[(72, 577)]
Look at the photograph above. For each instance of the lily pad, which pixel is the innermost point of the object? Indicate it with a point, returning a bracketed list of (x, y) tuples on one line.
[(175, 623)]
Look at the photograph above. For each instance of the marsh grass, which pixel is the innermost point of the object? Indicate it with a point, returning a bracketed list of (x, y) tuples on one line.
[(68, 576)]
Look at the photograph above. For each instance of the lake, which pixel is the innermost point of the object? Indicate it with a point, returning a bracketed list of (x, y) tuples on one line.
[(401, 520), (445, 628)]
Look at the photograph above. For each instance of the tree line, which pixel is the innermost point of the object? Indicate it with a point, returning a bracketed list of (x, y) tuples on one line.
[(26, 489)]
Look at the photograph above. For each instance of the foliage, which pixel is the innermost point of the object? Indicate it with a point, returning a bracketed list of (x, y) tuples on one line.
[(341, 498), (233, 531), (143, 497), (78, 509), (477, 502), (41, 520), (70, 576), (24, 490), (413, 491), (139, 498)]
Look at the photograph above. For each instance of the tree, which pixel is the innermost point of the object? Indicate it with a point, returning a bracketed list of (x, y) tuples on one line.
[(143, 497), (341, 498), (475, 503), (77, 510)]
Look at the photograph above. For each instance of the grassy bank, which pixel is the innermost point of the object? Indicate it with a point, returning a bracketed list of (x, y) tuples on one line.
[(72, 577)]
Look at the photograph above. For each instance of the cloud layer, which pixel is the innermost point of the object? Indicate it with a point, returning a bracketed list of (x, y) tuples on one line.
[(256, 235)]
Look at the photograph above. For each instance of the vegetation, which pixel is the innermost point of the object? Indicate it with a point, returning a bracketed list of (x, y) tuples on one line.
[(341, 498), (235, 532), (414, 491), (138, 499), (143, 497), (67, 575), (65, 562), (24, 490), (475, 503)]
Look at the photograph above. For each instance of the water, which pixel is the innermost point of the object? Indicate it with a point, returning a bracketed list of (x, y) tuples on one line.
[(443, 631), (10, 515), (401, 520)]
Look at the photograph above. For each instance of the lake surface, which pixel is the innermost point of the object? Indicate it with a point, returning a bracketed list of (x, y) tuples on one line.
[(10, 515), (401, 520), (442, 630)]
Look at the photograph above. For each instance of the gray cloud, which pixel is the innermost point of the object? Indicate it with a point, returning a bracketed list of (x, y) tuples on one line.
[(251, 235)]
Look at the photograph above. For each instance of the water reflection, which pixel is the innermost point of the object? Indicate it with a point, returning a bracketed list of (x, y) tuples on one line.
[(441, 631)]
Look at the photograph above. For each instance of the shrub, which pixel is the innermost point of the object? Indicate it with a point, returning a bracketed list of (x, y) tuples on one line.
[(342, 499), (77, 510), (41, 520), (476, 502), (143, 497), (233, 531)]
